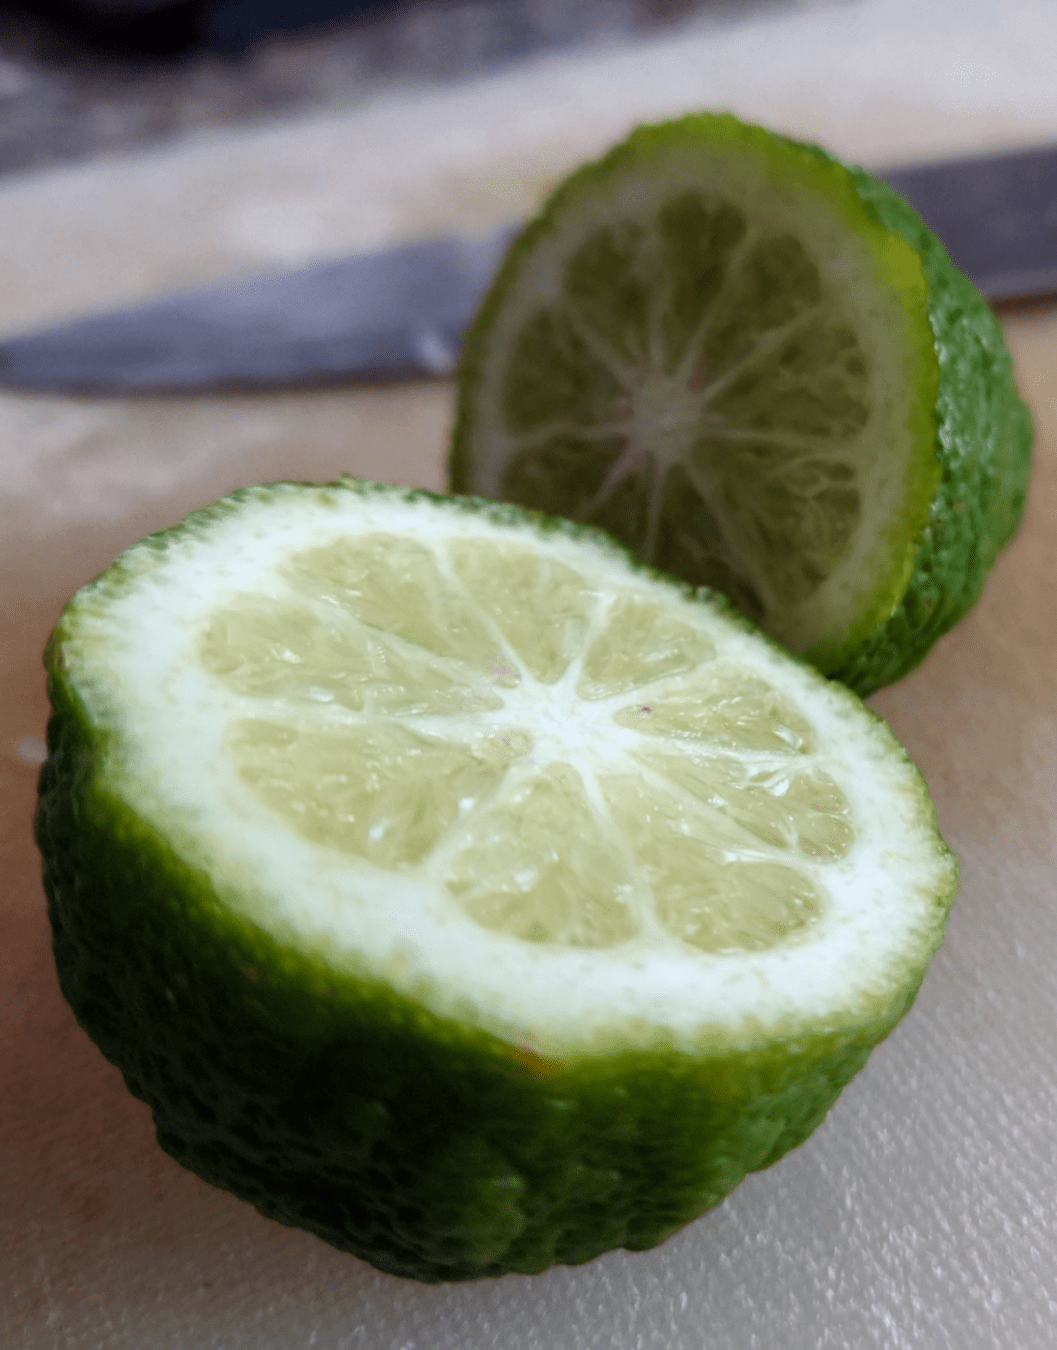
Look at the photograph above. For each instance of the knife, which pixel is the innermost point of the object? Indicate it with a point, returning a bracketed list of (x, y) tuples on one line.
[(404, 311)]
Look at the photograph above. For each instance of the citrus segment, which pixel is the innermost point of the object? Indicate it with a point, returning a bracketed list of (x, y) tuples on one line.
[(382, 792), (732, 708), (261, 647), (706, 895), (797, 809), (543, 866)]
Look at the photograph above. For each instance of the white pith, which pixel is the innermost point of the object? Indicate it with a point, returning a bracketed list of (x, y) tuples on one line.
[(132, 656)]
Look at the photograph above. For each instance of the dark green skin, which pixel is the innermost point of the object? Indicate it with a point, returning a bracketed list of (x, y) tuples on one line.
[(984, 440), (428, 1148)]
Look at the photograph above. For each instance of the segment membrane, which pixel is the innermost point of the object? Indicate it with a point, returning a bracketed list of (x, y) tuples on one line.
[(704, 893), (802, 811), (561, 475), (697, 236), (690, 544), (553, 374), (541, 607), (641, 642), (607, 291)]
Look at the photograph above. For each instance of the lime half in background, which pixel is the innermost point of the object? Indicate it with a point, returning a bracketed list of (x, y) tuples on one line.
[(457, 889), (757, 368)]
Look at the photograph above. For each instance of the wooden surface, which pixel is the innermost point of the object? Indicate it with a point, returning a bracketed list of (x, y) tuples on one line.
[(923, 1212)]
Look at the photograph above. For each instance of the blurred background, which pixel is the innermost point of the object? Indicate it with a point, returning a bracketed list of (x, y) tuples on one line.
[(146, 147), (82, 77)]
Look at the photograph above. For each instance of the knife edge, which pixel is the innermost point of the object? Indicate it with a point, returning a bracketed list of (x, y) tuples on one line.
[(385, 315)]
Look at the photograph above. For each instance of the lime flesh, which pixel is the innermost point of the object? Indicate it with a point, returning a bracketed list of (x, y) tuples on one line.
[(458, 890)]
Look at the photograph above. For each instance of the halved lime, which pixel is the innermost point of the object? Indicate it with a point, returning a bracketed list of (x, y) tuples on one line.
[(757, 368), (458, 889)]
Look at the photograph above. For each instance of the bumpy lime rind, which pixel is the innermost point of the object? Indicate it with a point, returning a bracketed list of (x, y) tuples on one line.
[(429, 1149), (966, 490), (425, 1145), (984, 441)]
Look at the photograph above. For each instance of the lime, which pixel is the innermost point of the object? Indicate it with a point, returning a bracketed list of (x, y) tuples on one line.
[(456, 888), (757, 368)]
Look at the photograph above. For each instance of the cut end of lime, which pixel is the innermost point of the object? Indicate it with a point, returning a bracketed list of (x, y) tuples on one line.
[(473, 779), (713, 346), (437, 722), (519, 757)]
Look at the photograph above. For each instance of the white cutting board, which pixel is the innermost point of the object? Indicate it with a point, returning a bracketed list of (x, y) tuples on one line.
[(923, 1213)]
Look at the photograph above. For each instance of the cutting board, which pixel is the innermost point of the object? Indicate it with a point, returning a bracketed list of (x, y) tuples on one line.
[(923, 1213)]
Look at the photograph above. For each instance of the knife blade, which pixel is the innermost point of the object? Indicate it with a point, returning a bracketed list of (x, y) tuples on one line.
[(404, 311), (997, 215)]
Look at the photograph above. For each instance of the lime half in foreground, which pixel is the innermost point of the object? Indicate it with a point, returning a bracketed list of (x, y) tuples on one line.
[(455, 888), (756, 367)]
